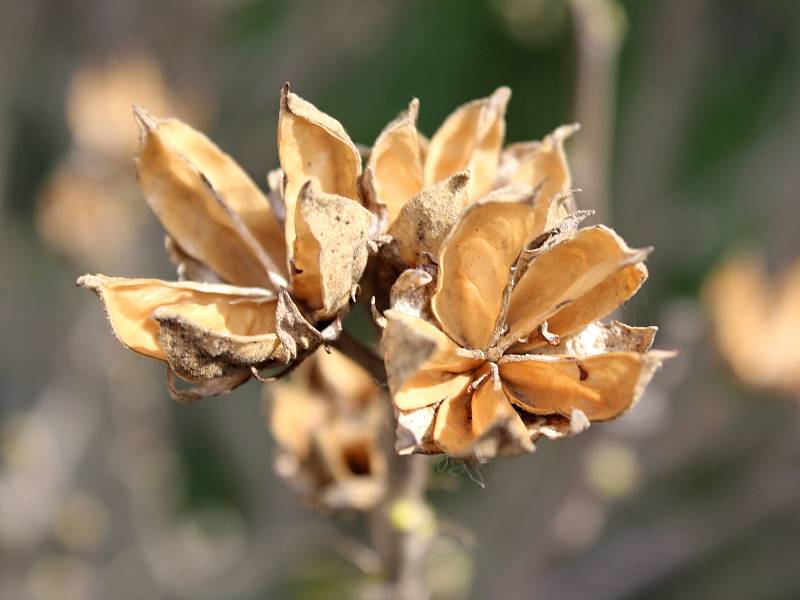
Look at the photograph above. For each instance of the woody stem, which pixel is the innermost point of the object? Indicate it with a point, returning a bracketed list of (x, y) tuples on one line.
[(363, 355), (400, 525)]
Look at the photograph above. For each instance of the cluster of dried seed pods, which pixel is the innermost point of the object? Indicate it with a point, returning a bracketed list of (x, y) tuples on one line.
[(492, 293)]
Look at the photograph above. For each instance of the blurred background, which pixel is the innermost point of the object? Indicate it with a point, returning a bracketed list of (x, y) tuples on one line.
[(691, 115)]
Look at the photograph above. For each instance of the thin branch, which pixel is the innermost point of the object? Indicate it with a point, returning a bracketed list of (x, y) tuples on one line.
[(364, 356)]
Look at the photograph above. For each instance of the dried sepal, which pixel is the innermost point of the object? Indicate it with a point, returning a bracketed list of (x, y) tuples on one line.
[(330, 250), (597, 338), (297, 335), (600, 301), (396, 162), (414, 431), (313, 146), (207, 203), (369, 198), (470, 138), (424, 221), (187, 394)]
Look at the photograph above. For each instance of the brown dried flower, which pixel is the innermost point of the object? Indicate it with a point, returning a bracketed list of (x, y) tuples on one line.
[(504, 346), (756, 321), (258, 292), (326, 421), (222, 230)]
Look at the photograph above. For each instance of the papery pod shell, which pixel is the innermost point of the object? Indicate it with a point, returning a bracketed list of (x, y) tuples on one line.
[(470, 138), (207, 204), (396, 162), (475, 262), (313, 146), (330, 250)]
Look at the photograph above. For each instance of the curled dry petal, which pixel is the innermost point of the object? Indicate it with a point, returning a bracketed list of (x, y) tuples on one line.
[(564, 273), (207, 204), (396, 161), (296, 334), (424, 221), (206, 341), (475, 262), (313, 146), (275, 185), (330, 249), (470, 138), (602, 386)]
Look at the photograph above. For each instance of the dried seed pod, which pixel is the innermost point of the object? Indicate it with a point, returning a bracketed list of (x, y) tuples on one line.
[(470, 138), (396, 162), (313, 146), (209, 205), (326, 421), (512, 350), (221, 228)]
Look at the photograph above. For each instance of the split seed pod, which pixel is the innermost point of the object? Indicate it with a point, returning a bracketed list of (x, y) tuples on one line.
[(505, 346), (249, 310), (420, 187), (326, 421)]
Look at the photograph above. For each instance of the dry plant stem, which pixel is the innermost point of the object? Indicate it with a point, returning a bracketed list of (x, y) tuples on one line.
[(363, 355), (599, 30), (401, 549)]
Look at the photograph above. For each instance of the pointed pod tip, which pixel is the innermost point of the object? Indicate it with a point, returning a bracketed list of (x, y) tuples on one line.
[(89, 281), (502, 94), (286, 92), (144, 119)]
